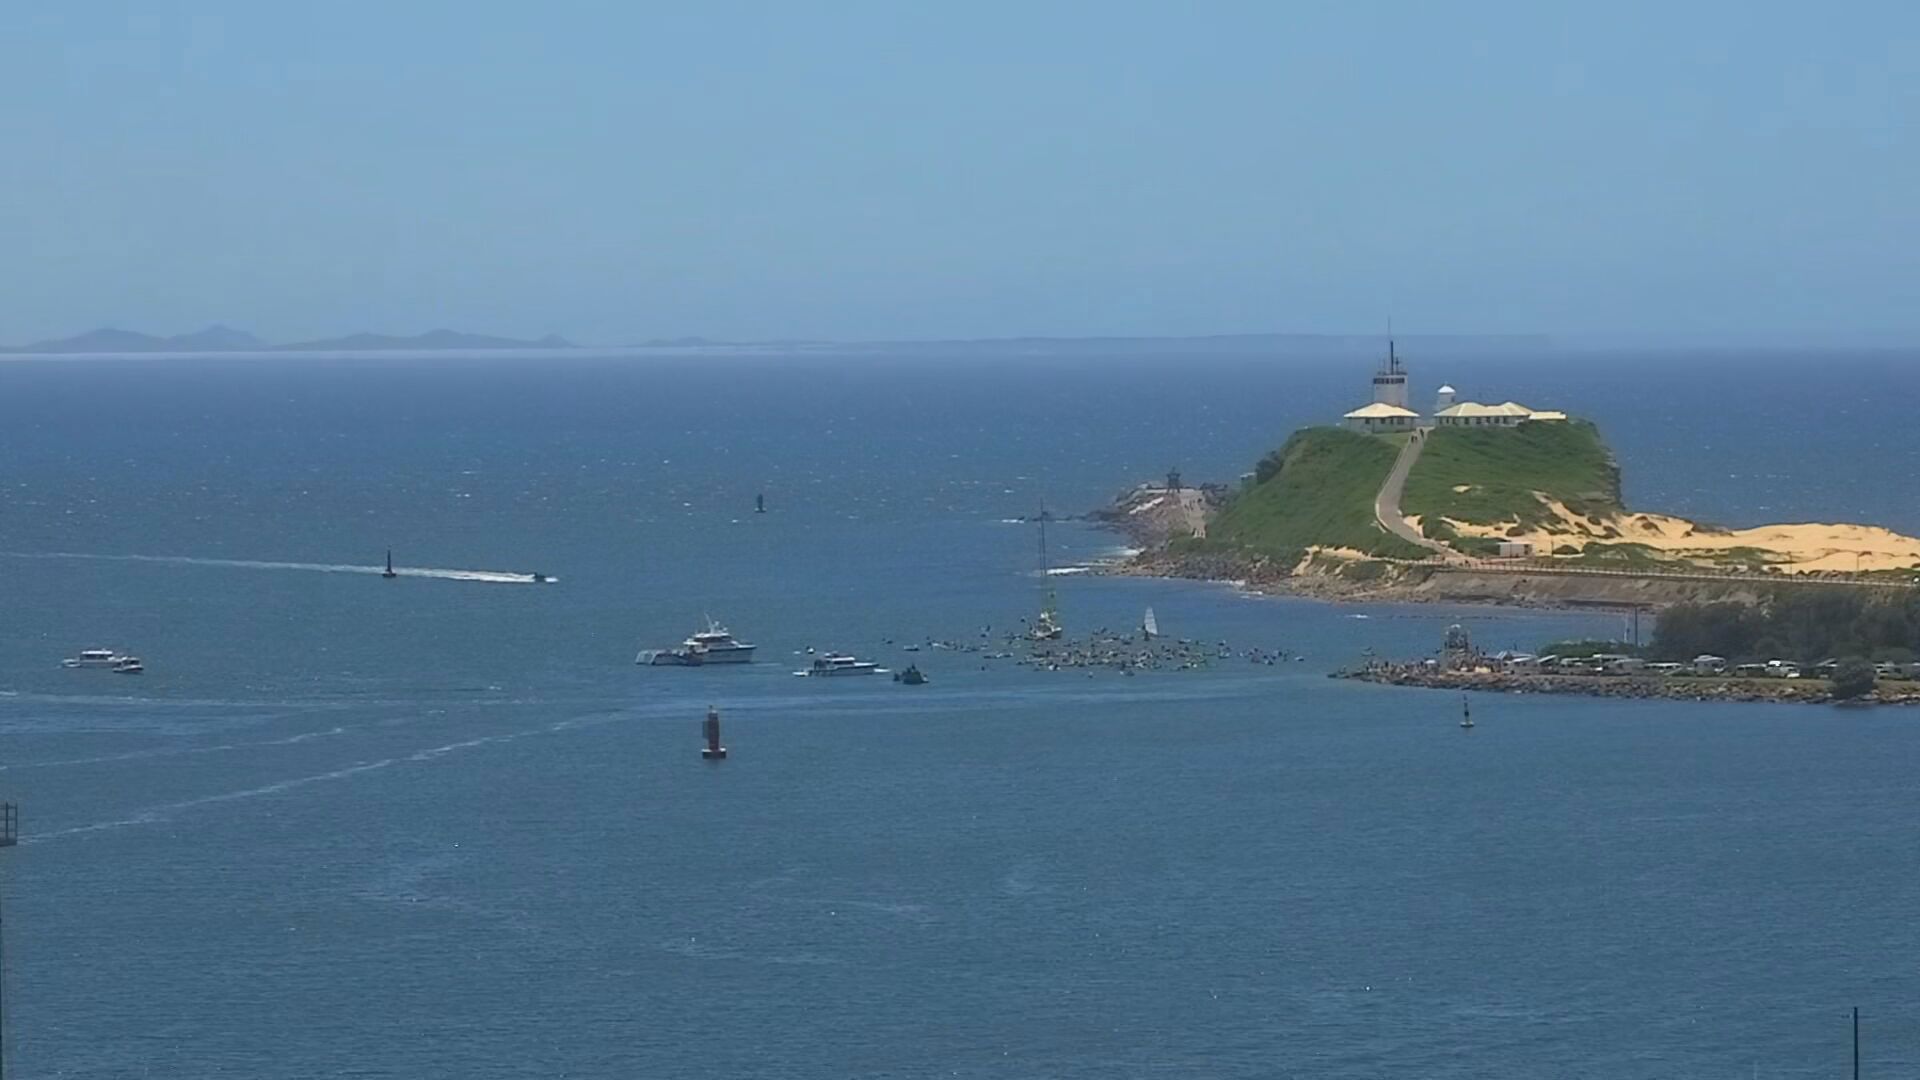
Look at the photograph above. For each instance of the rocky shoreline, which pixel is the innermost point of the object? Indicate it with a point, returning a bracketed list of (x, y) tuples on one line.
[(1672, 688), (1352, 578), (1397, 585), (1150, 515)]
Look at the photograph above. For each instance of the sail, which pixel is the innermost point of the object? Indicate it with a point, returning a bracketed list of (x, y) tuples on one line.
[(1150, 625)]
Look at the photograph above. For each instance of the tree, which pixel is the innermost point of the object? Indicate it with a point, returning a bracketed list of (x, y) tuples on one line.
[(1270, 466), (1852, 678)]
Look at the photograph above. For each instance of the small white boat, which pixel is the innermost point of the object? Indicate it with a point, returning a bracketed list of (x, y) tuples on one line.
[(129, 665), (93, 658), (841, 664)]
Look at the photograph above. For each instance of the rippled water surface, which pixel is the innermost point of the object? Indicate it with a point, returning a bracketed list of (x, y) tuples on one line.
[(442, 826)]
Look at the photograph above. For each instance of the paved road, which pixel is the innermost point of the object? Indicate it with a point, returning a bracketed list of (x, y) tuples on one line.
[(1386, 505)]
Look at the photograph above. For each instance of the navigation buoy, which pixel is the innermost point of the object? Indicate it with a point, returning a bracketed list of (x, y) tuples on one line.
[(710, 730)]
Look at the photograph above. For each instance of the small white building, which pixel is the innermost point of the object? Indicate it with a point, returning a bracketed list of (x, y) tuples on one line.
[(1380, 418), (1505, 414)]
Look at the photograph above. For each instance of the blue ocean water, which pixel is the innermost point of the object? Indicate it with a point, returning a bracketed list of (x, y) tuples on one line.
[(446, 828)]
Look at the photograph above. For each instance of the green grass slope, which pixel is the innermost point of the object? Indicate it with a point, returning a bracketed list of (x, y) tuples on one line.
[(1501, 468), (1321, 494)]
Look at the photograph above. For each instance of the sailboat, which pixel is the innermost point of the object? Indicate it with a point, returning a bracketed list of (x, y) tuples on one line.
[(1148, 626), (1047, 627), (388, 572), (1466, 713)]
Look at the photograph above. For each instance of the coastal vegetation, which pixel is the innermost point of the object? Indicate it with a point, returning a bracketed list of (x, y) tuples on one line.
[(1807, 625), (1315, 491), (1499, 476), (1852, 678), (1591, 646)]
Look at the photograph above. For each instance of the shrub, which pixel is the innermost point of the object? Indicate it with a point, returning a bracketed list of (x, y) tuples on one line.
[(1852, 678)]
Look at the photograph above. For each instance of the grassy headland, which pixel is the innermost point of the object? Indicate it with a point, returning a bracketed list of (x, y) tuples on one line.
[(1306, 523), (1316, 491), (1497, 476)]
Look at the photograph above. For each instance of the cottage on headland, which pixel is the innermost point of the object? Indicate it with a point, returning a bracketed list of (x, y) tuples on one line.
[(1388, 413)]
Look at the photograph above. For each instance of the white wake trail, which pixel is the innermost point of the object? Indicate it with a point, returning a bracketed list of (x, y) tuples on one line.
[(154, 815), (496, 577)]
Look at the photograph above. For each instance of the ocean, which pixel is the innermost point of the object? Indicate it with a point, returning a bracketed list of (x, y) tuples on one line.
[(443, 826)]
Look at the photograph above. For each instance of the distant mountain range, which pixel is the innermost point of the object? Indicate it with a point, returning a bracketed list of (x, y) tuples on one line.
[(226, 339), (432, 339)]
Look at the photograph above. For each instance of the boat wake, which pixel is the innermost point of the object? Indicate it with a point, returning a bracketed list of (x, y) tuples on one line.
[(155, 752), (496, 577), (158, 814), (165, 812)]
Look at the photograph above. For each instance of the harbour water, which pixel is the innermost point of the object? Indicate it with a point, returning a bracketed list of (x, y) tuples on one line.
[(442, 826)]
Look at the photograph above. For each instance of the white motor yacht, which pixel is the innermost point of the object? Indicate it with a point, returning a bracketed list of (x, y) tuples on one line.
[(92, 658), (714, 645), (840, 664)]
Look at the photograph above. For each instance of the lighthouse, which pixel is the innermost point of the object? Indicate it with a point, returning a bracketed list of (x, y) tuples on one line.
[(1390, 382)]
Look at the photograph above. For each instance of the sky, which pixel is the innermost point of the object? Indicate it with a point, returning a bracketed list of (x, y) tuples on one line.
[(875, 170)]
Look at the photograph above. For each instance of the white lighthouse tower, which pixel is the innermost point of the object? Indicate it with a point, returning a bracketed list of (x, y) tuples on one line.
[(1443, 400), (1390, 382)]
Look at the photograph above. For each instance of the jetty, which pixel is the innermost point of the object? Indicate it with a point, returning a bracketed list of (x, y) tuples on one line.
[(1129, 653)]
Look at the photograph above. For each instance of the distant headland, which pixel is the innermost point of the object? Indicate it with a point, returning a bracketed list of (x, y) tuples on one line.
[(216, 338)]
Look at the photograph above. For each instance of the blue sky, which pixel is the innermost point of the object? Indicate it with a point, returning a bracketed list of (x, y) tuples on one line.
[(620, 171)]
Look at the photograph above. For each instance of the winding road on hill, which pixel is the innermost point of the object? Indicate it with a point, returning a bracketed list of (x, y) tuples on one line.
[(1386, 505)]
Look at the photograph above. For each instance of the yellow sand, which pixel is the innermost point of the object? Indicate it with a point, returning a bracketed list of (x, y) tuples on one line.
[(1306, 558), (1796, 549)]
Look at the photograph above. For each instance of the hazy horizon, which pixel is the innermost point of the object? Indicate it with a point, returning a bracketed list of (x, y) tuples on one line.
[(1293, 344), (1714, 173)]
